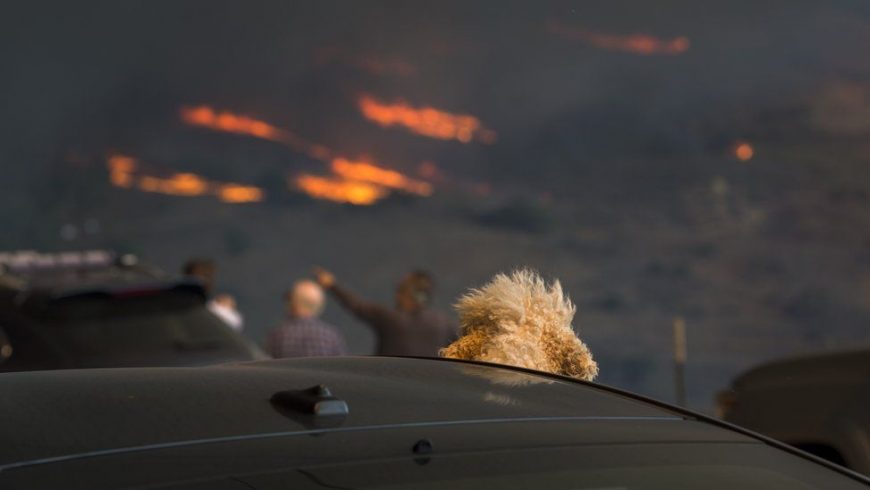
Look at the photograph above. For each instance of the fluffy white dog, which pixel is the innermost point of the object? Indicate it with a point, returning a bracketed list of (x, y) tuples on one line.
[(519, 320)]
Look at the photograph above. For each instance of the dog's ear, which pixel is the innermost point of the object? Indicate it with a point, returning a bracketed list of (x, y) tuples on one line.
[(575, 360), (467, 347), (497, 306)]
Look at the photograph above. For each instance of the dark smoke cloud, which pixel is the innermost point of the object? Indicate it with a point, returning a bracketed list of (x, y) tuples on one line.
[(108, 75)]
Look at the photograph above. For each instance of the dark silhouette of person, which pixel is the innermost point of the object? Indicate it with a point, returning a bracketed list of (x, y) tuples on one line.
[(411, 328)]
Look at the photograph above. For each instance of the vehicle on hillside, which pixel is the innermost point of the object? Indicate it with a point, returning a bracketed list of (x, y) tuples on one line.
[(818, 403), (372, 422), (97, 309)]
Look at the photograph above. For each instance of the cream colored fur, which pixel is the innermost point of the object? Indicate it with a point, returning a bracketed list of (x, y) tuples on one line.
[(519, 320)]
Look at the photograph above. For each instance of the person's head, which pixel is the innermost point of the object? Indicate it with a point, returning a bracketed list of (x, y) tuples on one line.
[(414, 291), (203, 270), (305, 299), (225, 300)]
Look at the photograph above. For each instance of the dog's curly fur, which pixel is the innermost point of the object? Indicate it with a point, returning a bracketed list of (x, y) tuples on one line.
[(519, 320)]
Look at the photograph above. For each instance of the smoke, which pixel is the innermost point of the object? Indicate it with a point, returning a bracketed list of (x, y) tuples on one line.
[(78, 67)]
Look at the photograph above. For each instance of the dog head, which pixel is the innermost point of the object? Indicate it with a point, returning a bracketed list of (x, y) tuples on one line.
[(519, 320)]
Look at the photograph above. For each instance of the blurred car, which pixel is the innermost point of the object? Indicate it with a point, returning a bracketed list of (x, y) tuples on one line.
[(95, 309), (372, 423), (819, 403)]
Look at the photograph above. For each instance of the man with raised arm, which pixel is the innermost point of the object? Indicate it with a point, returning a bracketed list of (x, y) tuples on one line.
[(411, 328)]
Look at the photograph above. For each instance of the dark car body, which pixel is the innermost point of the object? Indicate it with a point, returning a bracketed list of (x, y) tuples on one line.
[(819, 403), (384, 423), (108, 314)]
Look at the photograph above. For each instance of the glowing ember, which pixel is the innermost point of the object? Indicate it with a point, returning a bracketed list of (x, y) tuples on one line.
[(123, 172), (340, 190), (235, 193), (743, 152), (425, 121), (634, 43), (185, 185), (362, 171)]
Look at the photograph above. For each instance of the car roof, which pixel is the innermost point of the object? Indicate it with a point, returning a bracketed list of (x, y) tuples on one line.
[(31, 274), (844, 366), (57, 414)]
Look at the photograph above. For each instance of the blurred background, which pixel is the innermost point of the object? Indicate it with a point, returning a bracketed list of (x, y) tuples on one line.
[(690, 161)]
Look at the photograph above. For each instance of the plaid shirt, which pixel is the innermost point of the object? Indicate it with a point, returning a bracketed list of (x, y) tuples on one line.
[(305, 337)]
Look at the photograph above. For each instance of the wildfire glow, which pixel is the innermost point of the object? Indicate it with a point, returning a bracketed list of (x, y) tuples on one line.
[(425, 121), (207, 117), (743, 151), (121, 170), (357, 182), (236, 193), (642, 44), (229, 122), (363, 171), (124, 173), (340, 190)]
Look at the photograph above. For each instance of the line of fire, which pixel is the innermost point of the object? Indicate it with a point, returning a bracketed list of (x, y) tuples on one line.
[(358, 182), (642, 44), (362, 181), (425, 121), (126, 172)]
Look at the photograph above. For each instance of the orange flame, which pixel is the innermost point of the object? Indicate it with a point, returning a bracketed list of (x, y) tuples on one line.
[(228, 122), (743, 151), (121, 170), (425, 121), (642, 44), (363, 171), (123, 173), (207, 117), (236, 193), (355, 182), (340, 190)]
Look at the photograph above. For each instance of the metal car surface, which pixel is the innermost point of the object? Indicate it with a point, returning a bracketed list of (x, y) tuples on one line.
[(409, 423)]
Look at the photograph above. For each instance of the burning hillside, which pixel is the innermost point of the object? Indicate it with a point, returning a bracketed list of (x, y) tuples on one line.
[(359, 182)]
